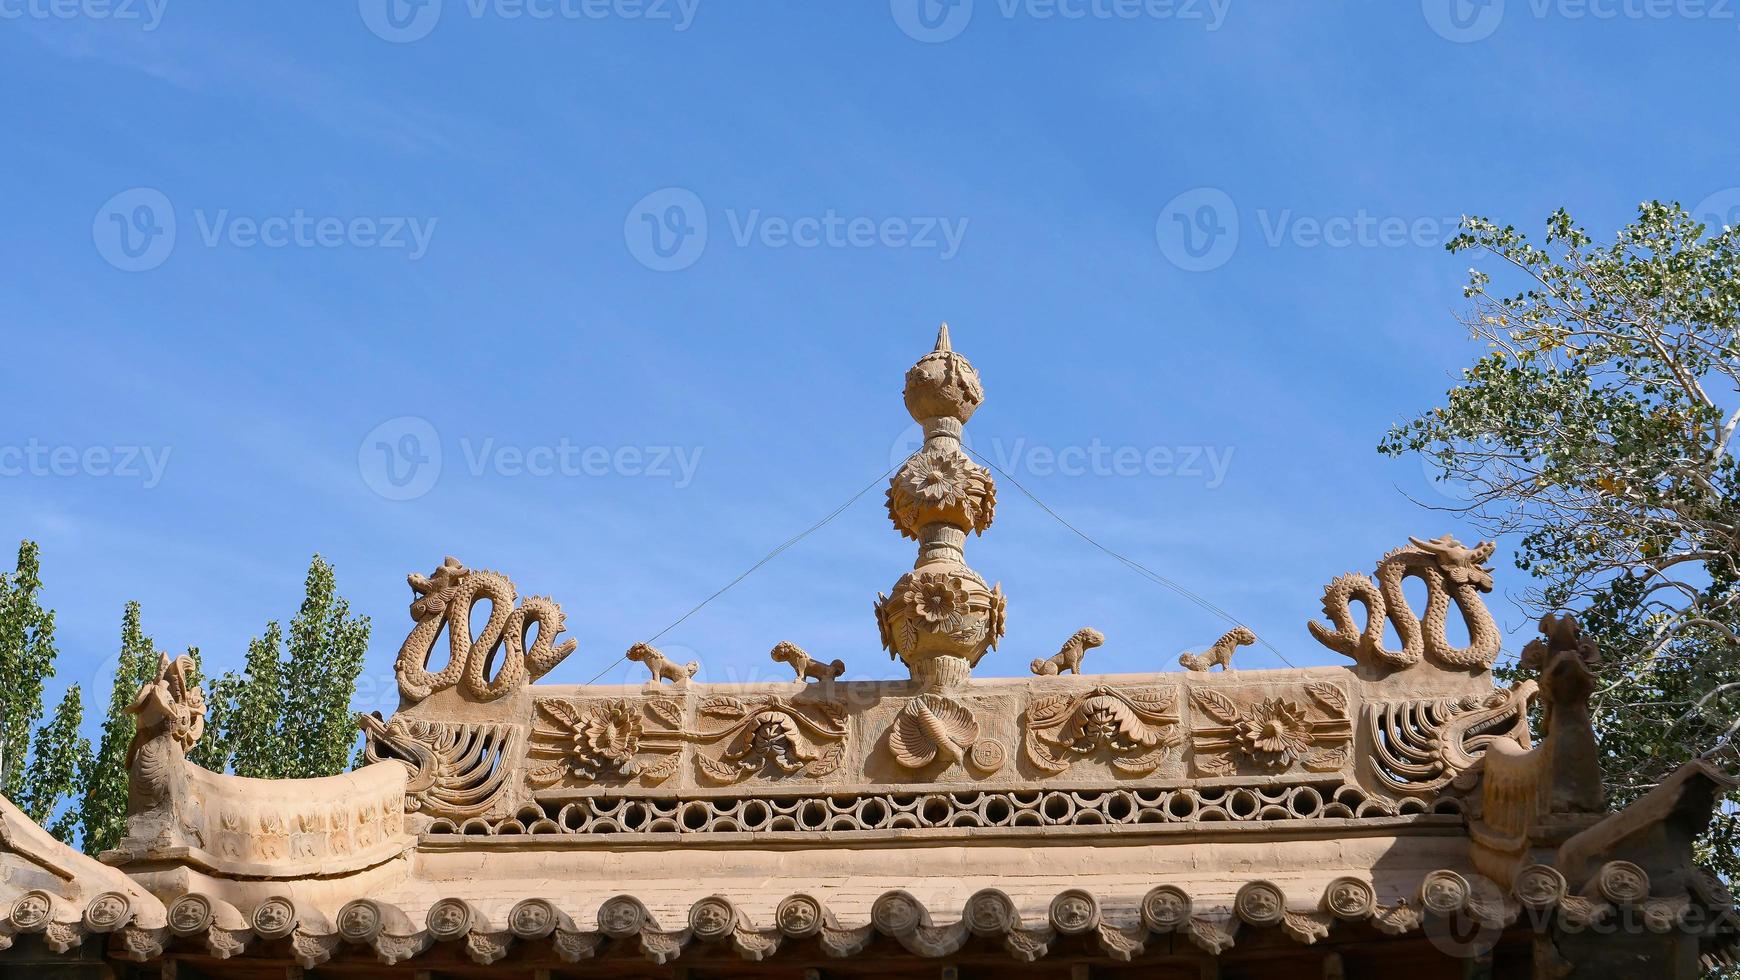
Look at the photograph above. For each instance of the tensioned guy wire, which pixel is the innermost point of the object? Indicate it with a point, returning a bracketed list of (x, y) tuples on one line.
[(775, 553), (1130, 563)]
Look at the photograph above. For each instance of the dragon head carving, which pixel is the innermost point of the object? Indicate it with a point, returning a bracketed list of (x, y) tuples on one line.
[(435, 590), (1461, 564)]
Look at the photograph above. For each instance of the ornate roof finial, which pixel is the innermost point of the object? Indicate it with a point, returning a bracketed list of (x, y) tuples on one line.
[(942, 616)]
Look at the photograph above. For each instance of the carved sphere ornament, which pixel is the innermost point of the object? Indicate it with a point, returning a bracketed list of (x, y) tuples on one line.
[(1260, 903), (359, 921), (1350, 899), (798, 916), (621, 916), (1622, 883), (712, 918), (1444, 893), (32, 910), (1166, 908), (274, 918), (943, 384), (449, 919), (896, 914), (190, 914), (990, 912), (1540, 887), (533, 918), (108, 912), (1074, 912)]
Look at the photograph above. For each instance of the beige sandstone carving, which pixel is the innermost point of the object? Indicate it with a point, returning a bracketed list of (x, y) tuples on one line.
[(808, 668), (1221, 653), (942, 616), (1070, 657), (1272, 733), (663, 670), (444, 602), (1451, 573), (1132, 728)]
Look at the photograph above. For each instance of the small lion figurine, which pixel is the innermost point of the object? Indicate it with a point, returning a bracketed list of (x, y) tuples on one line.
[(807, 667), (661, 666), (1222, 651), (1069, 658)]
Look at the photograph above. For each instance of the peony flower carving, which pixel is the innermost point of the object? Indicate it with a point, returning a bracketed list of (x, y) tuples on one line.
[(938, 598), (599, 740), (941, 485), (938, 478), (1274, 733)]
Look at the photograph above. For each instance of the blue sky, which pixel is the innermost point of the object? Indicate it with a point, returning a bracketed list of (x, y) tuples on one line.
[(467, 229)]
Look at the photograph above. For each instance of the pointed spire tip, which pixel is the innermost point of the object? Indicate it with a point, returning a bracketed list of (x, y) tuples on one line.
[(942, 337)]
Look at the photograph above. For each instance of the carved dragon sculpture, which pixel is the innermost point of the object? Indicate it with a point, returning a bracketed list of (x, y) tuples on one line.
[(168, 718), (1070, 657), (1522, 783), (444, 601), (1451, 573)]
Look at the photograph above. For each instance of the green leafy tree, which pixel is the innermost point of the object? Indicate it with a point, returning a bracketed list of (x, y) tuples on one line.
[(288, 715), (103, 774), (38, 776), (27, 656), (1599, 430)]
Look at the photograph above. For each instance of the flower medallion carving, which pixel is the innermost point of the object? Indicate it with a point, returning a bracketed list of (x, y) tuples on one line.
[(1133, 729), (1265, 733), (735, 738), (772, 736)]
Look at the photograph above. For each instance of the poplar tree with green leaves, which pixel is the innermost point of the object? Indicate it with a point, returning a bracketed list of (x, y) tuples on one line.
[(36, 775), (103, 773), (1598, 429), (288, 715)]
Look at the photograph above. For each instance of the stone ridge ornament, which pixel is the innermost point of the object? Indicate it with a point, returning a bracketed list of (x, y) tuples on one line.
[(662, 667), (610, 741), (1451, 572), (1070, 657), (942, 616), (1133, 729), (808, 668), (458, 769), (444, 602), (1271, 734), (1221, 654)]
